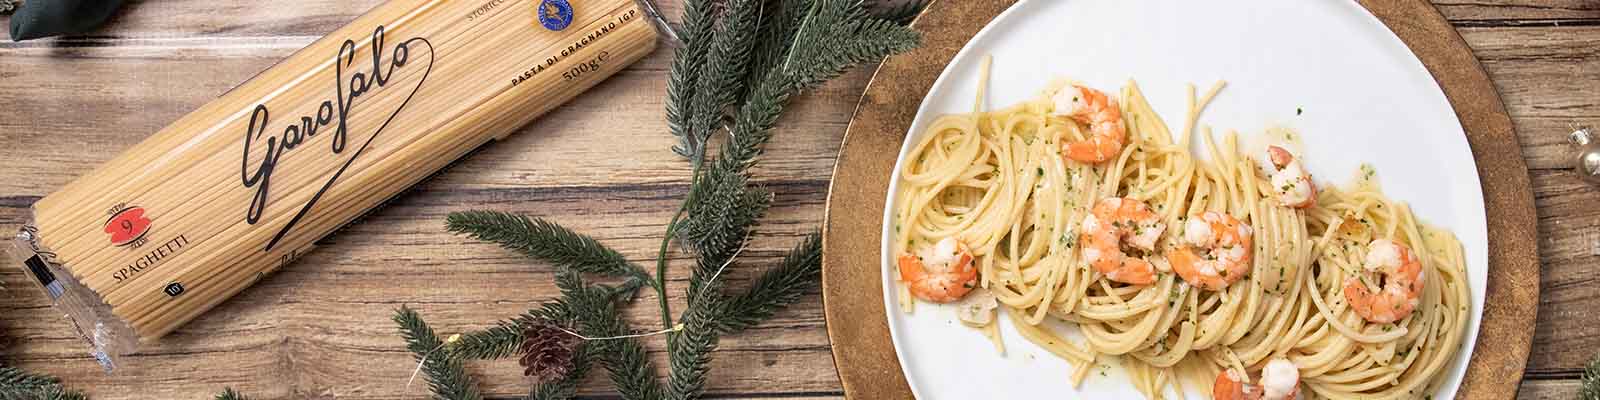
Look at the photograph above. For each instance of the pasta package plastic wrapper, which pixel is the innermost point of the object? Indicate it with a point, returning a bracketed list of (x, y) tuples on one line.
[(247, 183)]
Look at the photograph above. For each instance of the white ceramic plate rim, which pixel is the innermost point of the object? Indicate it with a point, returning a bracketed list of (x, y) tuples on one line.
[(1469, 223)]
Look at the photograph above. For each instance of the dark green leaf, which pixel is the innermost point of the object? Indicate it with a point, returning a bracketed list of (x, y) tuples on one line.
[(624, 358), (1590, 390), (447, 379), (775, 289), (838, 34), (230, 394), (698, 19), (691, 351), (545, 241)]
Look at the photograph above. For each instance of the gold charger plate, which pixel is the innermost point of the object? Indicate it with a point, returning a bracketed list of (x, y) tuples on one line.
[(852, 287)]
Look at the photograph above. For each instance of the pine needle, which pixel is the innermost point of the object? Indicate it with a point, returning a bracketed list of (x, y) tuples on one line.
[(16, 378), (691, 352), (698, 17), (838, 34), (230, 394), (447, 379), (831, 36), (546, 241), (22, 385), (728, 58), (779, 287), (721, 218), (625, 359), (1591, 381), (502, 340)]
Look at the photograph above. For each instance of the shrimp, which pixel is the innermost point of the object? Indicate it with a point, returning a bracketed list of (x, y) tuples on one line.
[(1293, 184), (1110, 222), (1280, 380), (941, 274), (1228, 251), (1106, 131), (1403, 275)]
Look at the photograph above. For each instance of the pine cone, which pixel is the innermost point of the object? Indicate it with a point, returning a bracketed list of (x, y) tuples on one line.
[(547, 351)]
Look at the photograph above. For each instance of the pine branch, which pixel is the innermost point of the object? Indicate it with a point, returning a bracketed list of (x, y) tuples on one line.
[(22, 385), (726, 64), (779, 287), (709, 317), (724, 207), (698, 18), (832, 36), (691, 352), (447, 379), (13, 378), (501, 340), (717, 192), (838, 34), (776, 37), (230, 394), (548, 242), (721, 219), (44, 393), (1591, 381), (624, 358)]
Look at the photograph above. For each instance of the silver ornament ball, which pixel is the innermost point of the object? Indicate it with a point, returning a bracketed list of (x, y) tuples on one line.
[(1587, 162)]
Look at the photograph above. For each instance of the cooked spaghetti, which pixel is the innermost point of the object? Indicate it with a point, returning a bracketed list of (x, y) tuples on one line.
[(1221, 272)]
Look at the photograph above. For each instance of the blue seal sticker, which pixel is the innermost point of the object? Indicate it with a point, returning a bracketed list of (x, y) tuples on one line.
[(555, 15)]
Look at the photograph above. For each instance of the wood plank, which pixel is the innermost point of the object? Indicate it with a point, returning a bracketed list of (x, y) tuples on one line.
[(325, 319), (1563, 389), (1569, 247), (1545, 86), (1534, 68), (1512, 12)]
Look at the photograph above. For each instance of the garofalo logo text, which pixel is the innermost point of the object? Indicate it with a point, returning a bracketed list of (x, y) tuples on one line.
[(347, 88)]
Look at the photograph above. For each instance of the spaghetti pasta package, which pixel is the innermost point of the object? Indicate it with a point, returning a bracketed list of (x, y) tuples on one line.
[(249, 182)]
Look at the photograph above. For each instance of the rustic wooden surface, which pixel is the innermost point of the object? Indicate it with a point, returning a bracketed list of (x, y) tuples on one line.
[(320, 328)]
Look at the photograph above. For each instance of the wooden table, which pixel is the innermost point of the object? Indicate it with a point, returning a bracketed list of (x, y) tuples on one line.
[(320, 328)]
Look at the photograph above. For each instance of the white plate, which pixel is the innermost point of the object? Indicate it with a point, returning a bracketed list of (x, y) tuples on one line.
[(1365, 96)]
